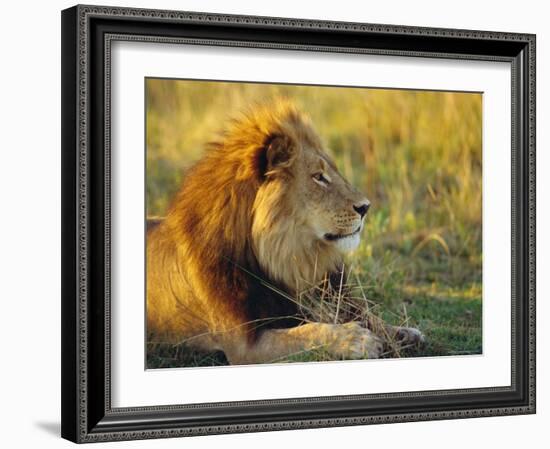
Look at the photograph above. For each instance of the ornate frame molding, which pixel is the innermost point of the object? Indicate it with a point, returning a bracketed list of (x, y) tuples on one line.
[(81, 408)]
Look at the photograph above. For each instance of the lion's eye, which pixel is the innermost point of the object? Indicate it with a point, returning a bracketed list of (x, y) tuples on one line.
[(320, 178)]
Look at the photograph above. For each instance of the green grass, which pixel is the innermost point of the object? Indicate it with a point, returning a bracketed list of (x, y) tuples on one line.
[(416, 155)]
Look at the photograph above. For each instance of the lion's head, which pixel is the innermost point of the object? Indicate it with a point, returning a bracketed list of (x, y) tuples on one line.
[(305, 213), (267, 195)]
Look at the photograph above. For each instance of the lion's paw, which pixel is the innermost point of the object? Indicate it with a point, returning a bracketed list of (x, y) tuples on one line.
[(352, 341), (407, 335)]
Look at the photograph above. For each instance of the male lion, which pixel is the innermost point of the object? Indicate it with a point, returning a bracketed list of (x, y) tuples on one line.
[(264, 210)]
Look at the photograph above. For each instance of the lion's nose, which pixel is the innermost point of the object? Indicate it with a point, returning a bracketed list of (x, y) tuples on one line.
[(362, 209)]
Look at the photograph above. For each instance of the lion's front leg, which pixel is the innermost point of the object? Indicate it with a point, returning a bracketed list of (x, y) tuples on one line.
[(342, 341)]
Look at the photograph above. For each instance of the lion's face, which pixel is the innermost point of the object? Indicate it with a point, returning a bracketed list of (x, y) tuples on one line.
[(332, 208)]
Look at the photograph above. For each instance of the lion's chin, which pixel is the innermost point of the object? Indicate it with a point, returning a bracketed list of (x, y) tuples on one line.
[(345, 243), (349, 243)]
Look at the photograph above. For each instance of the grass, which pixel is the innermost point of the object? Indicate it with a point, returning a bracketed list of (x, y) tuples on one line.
[(417, 156)]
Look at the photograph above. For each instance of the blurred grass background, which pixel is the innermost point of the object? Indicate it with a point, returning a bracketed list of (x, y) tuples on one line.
[(415, 154)]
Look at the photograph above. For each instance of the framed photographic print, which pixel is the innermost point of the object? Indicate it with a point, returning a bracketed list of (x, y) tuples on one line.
[(285, 223)]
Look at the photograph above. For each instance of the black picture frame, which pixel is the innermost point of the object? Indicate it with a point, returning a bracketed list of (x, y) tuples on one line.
[(87, 414)]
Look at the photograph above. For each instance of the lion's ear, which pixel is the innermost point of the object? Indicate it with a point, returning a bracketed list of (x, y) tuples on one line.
[(280, 152)]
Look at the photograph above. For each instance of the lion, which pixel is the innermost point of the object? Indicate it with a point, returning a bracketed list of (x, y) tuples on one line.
[(263, 211)]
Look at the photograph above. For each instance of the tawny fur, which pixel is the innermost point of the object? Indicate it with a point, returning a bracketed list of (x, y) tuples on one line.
[(257, 215)]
